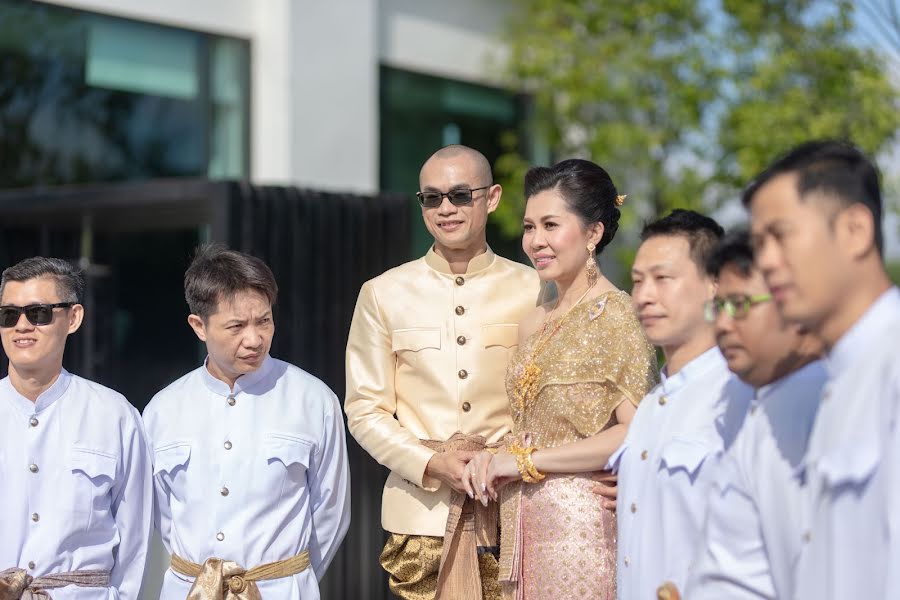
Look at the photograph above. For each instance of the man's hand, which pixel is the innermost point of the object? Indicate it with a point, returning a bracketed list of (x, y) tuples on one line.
[(607, 487), (448, 467)]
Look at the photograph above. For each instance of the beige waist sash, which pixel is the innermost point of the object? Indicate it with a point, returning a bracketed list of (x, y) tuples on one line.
[(17, 584), (469, 525), (218, 579)]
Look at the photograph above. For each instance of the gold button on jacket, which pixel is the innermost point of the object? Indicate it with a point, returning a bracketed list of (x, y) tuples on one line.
[(404, 367)]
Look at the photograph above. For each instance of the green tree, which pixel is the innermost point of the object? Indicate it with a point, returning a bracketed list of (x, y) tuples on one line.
[(684, 100)]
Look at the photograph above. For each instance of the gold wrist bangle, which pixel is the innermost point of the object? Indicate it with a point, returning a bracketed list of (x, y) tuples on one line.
[(532, 470), (524, 464)]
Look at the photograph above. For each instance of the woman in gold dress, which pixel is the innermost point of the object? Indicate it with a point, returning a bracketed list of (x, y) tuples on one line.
[(582, 366)]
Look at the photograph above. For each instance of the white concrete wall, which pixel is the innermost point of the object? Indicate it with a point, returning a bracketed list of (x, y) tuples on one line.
[(457, 40)]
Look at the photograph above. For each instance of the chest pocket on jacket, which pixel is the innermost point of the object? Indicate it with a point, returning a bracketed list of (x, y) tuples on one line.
[(851, 466), (684, 455), (93, 472), (409, 344), (288, 457), (170, 461), (506, 336)]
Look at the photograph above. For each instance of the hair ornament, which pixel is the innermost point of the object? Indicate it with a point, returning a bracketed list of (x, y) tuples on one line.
[(620, 199)]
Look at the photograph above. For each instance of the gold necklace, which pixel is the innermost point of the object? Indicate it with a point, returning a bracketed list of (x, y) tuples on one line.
[(528, 376)]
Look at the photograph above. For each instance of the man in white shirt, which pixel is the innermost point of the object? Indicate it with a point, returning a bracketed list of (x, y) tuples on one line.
[(250, 464), (753, 529), (816, 231), (670, 455), (77, 494)]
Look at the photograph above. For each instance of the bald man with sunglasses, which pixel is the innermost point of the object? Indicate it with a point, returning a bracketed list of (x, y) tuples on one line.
[(426, 362), (76, 507)]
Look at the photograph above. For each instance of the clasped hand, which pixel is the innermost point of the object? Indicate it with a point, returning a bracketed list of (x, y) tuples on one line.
[(487, 473)]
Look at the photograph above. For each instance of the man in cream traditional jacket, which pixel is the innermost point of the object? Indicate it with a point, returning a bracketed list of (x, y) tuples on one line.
[(426, 358)]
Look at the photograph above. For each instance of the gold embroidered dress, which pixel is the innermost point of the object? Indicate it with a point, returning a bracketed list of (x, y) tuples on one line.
[(558, 541)]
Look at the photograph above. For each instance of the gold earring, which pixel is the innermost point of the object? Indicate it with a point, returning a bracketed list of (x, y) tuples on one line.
[(591, 266)]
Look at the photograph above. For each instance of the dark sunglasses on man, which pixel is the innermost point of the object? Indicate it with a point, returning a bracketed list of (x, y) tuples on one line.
[(37, 314), (458, 197)]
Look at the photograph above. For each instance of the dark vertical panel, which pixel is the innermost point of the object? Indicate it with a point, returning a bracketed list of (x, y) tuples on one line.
[(322, 247)]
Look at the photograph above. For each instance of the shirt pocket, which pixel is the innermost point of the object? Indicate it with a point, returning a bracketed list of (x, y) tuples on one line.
[(288, 457), (851, 465), (409, 344), (93, 473), (504, 336), (170, 462), (683, 455)]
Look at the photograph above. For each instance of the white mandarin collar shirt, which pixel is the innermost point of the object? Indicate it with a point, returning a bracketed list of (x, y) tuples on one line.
[(77, 491), (253, 475), (852, 466), (666, 464), (753, 533)]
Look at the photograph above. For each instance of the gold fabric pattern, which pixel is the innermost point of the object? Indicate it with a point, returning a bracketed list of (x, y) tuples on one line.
[(557, 542), (218, 579), (413, 561)]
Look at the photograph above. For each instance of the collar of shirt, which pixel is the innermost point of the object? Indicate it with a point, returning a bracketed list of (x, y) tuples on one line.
[(244, 383), (799, 378), (853, 343), (47, 397), (710, 359), (478, 263)]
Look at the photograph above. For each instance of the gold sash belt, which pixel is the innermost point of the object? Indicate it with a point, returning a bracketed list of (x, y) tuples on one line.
[(218, 579), (17, 584), (469, 525)]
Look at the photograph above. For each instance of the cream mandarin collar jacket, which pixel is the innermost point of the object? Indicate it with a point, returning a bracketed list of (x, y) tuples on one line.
[(426, 357)]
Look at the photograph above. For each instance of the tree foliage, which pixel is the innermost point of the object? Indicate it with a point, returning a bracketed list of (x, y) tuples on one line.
[(684, 100)]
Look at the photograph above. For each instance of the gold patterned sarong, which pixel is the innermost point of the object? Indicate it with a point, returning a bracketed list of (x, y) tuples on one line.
[(449, 568), (218, 579), (412, 561), (17, 584)]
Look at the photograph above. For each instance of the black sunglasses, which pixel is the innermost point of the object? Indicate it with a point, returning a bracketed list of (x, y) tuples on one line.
[(37, 314), (458, 197)]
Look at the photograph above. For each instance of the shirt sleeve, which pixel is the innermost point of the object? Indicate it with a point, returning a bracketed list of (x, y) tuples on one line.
[(371, 401), (731, 559), (329, 489), (132, 508)]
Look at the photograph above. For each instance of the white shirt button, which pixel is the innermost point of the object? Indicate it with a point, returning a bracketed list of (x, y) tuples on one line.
[(228, 445), (220, 536), (35, 517), (224, 491), (33, 468), (31, 564), (33, 422)]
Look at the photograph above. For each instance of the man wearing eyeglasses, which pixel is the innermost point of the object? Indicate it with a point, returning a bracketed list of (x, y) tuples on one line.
[(753, 531), (76, 507), (426, 359), (671, 452)]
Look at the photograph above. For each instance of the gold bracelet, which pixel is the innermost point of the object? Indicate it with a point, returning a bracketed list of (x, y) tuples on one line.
[(532, 470), (524, 464)]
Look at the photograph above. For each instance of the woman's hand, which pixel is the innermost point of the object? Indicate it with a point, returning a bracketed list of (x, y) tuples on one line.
[(487, 473)]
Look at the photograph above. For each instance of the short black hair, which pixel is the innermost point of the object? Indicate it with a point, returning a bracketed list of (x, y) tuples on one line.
[(69, 278), (586, 187), (218, 274), (837, 169), (733, 250), (701, 232)]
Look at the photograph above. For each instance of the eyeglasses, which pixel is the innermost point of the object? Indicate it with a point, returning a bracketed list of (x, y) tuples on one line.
[(37, 314), (458, 197), (737, 307)]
